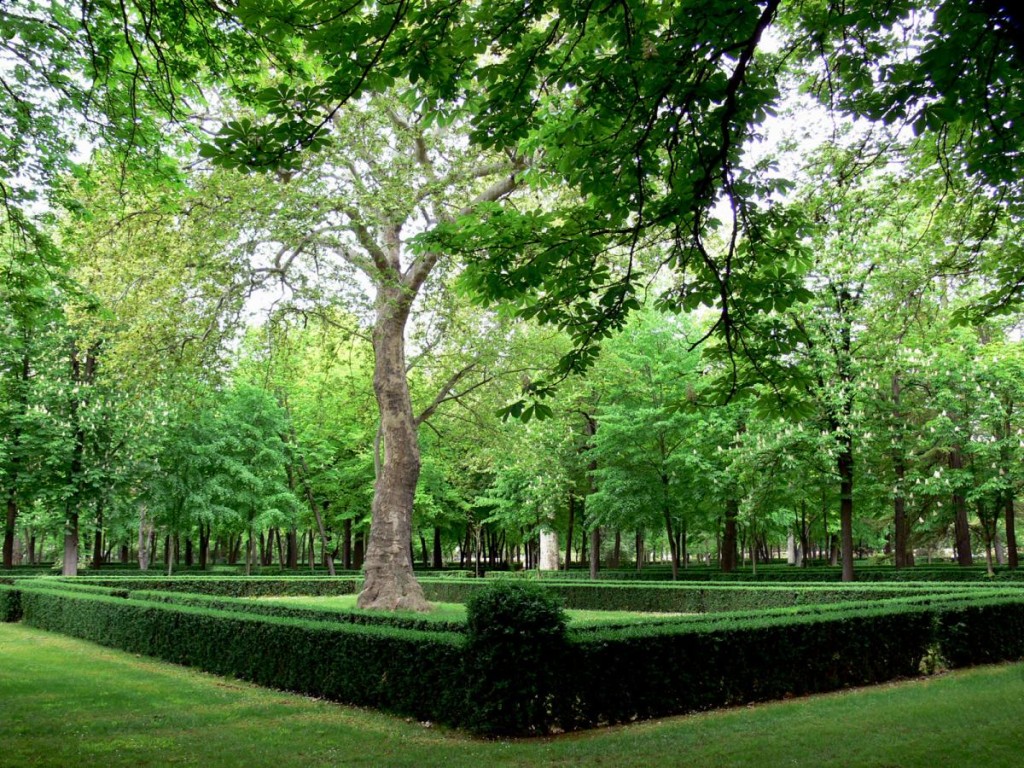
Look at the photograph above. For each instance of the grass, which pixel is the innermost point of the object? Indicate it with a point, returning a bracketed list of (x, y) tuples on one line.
[(457, 611), (68, 702)]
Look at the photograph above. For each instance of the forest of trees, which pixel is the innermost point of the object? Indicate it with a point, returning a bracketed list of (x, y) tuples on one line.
[(413, 282)]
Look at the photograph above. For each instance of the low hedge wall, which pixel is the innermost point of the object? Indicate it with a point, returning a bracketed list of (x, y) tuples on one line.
[(233, 586), (592, 677), (693, 598), (262, 608), (776, 573), (402, 671), (10, 603)]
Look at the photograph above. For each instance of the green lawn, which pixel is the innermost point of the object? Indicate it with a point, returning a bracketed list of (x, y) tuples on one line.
[(65, 702)]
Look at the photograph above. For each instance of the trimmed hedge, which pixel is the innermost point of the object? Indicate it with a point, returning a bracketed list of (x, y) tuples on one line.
[(234, 586), (518, 671), (262, 608), (401, 671), (693, 598), (781, 572), (10, 604)]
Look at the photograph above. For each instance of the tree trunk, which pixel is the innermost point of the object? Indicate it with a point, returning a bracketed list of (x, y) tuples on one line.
[(569, 531), (170, 547), (204, 546), (12, 516), (1011, 533), (389, 580), (145, 530), (845, 466), (293, 549), (346, 544), (902, 556), (961, 528), (673, 542), (438, 559), (729, 554), (595, 551)]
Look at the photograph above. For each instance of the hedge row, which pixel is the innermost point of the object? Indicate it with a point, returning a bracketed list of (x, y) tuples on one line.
[(402, 671), (775, 573), (693, 598), (265, 608), (233, 586), (581, 679)]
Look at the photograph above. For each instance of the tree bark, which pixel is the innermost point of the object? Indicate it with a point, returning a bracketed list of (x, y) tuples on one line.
[(569, 532), (12, 516), (902, 557), (389, 580), (438, 558), (845, 466), (961, 528), (1011, 533), (729, 553)]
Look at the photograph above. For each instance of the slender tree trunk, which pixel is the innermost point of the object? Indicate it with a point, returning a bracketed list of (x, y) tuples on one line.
[(729, 554), (145, 530), (389, 580), (293, 549), (961, 527), (569, 532), (595, 551), (169, 553), (1011, 532), (845, 466), (12, 516), (204, 545), (902, 555), (438, 559), (346, 544)]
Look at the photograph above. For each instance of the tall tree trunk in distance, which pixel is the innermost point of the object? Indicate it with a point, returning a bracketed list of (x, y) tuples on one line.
[(438, 554), (346, 544), (170, 552), (845, 466), (961, 527), (389, 582), (616, 556), (145, 529), (12, 516), (902, 555), (595, 551), (293, 549), (204, 545), (97, 543), (569, 533), (729, 553), (1011, 532)]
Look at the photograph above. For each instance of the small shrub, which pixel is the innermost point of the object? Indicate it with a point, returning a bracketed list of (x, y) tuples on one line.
[(516, 646)]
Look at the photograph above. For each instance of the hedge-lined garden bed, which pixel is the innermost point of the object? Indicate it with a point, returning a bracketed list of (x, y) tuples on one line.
[(502, 679)]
